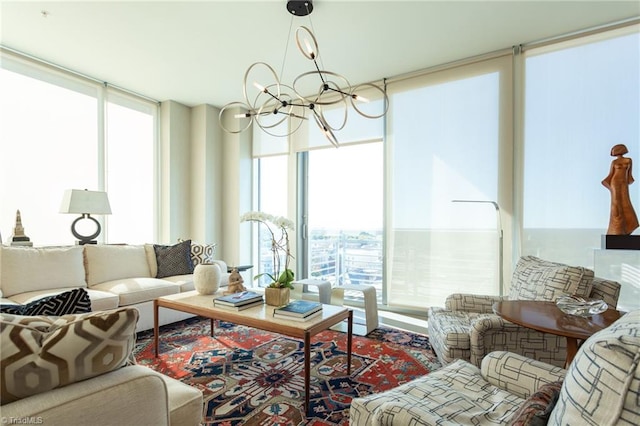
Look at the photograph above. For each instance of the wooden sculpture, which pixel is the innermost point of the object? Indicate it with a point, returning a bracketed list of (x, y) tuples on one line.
[(622, 219)]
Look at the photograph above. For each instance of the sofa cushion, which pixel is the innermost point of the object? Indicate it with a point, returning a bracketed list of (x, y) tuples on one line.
[(137, 290), (24, 269), (42, 353), (112, 262), (535, 411), (202, 253), (537, 279), (173, 260), (602, 383), (184, 281), (74, 301)]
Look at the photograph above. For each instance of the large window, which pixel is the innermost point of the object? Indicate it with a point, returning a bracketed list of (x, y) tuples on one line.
[(54, 136), (482, 161), (582, 97), (272, 193), (345, 225), (446, 134), (130, 173)]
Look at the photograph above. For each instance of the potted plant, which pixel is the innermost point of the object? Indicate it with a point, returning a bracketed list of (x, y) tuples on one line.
[(277, 292)]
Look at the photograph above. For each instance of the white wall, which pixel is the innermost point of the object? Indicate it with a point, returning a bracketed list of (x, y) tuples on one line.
[(206, 177)]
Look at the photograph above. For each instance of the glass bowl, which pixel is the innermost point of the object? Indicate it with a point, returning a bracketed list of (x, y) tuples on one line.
[(574, 305)]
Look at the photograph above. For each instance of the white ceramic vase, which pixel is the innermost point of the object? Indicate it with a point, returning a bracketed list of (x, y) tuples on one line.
[(206, 278)]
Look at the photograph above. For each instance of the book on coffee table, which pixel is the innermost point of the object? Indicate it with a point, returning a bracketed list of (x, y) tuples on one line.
[(299, 319), (298, 308), (240, 307), (238, 299)]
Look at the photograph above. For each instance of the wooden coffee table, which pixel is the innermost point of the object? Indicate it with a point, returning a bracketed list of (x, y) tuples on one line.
[(548, 318), (260, 317)]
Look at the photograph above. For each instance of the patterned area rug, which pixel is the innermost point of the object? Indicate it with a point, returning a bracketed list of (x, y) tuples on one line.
[(252, 377)]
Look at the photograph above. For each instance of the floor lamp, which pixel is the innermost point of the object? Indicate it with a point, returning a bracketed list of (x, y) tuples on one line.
[(500, 234)]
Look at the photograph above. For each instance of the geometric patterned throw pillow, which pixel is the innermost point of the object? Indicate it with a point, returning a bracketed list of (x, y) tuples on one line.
[(201, 253), (74, 301), (174, 260), (537, 279), (42, 353)]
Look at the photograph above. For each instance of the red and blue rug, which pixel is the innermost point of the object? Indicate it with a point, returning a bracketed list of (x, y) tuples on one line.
[(253, 377)]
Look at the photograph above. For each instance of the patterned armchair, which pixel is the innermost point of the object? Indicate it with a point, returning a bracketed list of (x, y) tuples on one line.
[(600, 387), (468, 329)]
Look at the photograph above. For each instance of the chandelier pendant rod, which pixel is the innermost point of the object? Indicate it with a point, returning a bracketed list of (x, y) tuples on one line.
[(286, 49)]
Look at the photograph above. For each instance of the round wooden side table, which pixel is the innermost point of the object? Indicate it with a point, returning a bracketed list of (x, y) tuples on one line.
[(548, 318)]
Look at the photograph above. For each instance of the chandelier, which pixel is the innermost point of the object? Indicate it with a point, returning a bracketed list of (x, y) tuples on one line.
[(270, 104)]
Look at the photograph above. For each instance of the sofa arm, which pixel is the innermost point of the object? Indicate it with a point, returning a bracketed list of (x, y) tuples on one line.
[(126, 396), (472, 302), (517, 374)]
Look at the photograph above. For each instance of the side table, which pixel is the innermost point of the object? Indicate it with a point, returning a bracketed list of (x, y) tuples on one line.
[(546, 317)]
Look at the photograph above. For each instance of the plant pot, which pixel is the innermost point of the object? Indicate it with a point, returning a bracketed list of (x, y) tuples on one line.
[(206, 278), (276, 296)]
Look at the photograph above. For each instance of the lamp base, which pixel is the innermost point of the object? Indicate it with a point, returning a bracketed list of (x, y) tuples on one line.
[(85, 239)]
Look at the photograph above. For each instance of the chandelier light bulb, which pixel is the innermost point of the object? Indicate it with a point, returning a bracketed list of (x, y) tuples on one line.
[(260, 87), (309, 48), (242, 115), (359, 98)]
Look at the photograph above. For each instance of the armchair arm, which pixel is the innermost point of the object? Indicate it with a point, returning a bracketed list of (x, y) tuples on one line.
[(518, 374), (472, 302), (490, 332)]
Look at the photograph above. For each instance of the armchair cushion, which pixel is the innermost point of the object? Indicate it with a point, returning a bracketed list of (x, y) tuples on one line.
[(537, 279), (603, 381)]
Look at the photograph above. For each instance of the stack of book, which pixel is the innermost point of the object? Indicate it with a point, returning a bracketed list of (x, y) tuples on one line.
[(239, 301), (299, 310)]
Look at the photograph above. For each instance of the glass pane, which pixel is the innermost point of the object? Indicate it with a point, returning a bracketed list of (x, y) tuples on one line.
[(48, 143), (580, 102), (130, 176), (445, 147), (272, 200), (345, 214)]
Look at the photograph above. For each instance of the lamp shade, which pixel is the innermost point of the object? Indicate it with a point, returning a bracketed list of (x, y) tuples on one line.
[(82, 201)]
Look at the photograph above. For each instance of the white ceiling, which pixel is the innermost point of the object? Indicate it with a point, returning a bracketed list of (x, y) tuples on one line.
[(197, 52)]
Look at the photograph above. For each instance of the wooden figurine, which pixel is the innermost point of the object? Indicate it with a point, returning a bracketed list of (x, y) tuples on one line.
[(235, 282), (622, 219)]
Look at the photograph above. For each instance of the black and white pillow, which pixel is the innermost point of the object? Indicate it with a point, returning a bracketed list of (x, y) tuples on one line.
[(201, 253), (174, 260), (75, 301)]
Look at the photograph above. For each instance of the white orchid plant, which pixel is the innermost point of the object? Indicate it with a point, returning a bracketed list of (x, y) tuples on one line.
[(279, 244)]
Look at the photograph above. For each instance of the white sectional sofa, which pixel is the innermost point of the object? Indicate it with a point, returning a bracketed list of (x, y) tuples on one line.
[(113, 275)]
